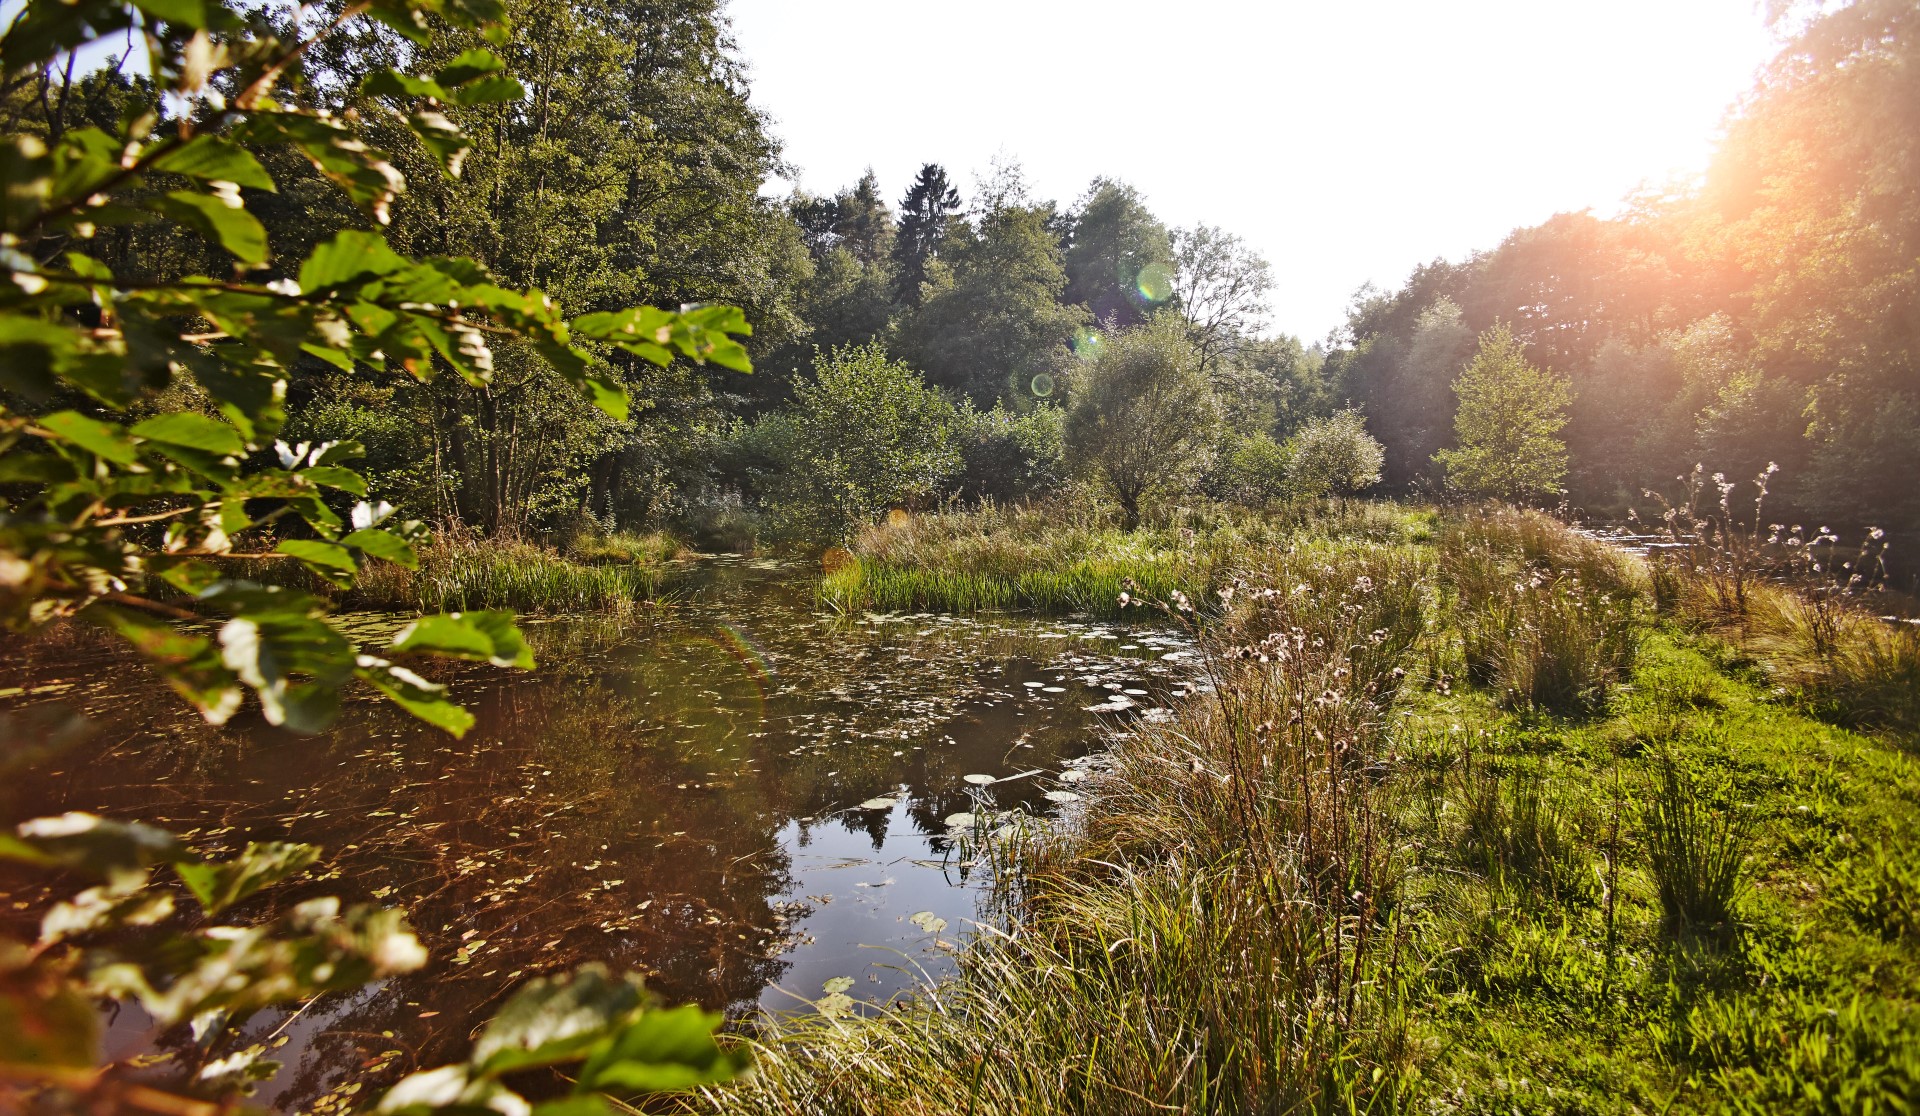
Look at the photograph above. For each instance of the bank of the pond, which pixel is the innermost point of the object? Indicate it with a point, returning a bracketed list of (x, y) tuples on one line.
[(460, 571), (1058, 560), (1465, 825)]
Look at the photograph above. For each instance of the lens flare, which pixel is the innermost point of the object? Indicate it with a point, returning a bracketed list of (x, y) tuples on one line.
[(1087, 344), (1042, 385), (1154, 284)]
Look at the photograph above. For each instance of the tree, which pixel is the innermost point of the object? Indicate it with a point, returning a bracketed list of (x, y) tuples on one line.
[(1333, 456), (992, 319), (865, 434), (1141, 415), (1115, 240), (1508, 425), (139, 446), (925, 214), (1220, 286)]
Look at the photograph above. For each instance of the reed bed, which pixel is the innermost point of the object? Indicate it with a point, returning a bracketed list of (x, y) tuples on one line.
[(460, 571)]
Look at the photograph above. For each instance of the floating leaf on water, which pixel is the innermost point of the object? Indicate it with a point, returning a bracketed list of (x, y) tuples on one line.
[(879, 804), (979, 780), (960, 821), (1073, 775), (1062, 796), (835, 1005), (929, 922), (837, 985), (1053, 689)]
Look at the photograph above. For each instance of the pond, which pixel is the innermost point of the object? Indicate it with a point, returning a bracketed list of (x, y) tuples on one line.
[(734, 794)]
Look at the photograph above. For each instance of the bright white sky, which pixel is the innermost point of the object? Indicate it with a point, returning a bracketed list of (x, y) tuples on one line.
[(1346, 141)]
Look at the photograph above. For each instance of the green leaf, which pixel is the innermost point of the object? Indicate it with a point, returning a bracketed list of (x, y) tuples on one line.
[(186, 13), (192, 430), (490, 91), (385, 545), (557, 1019), (350, 255), (236, 230), (491, 636), (317, 553), (425, 700), (662, 1051), (608, 394), (467, 66), (102, 439), (212, 159), (406, 87), (447, 1091), (219, 885), (95, 845), (335, 476)]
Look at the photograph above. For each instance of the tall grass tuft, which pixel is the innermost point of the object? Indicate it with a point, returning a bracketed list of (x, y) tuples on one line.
[(1515, 833), (1697, 850), (1546, 614), (460, 571)]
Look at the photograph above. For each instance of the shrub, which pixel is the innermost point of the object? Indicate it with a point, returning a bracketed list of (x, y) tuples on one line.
[(1141, 415), (1253, 472), (865, 434), (1006, 456), (1334, 456)]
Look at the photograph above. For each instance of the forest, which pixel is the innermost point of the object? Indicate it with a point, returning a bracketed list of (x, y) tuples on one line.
[(1764, 316), (1507, 702)]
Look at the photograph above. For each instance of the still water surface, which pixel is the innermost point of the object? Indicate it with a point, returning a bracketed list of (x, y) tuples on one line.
[(736, 795)]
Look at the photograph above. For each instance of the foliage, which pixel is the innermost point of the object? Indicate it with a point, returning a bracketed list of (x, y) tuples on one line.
[(1334, 456), (1507, 426), (1140, 415), (990, 322), (1006, 456), (864, 435), (1119, 257), (1220, 287), (138, 446), (1253, 471), (1697, 849)]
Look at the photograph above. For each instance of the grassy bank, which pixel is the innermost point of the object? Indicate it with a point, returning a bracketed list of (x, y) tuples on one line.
[(1070, 560), (1467, 825), (460, 571)]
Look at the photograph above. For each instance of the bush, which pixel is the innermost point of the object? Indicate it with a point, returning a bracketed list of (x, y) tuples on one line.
[(1334, 456), (1253, 472), (1007, 457), (1142, 415), (866, 434)]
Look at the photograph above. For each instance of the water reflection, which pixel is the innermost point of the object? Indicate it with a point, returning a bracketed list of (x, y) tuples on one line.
[(680, 795)]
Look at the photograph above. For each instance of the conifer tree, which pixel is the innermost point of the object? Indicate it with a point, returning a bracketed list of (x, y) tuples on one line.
[(924, 214)]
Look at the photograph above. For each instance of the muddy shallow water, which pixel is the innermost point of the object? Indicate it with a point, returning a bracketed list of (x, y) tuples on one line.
[(734, 794)]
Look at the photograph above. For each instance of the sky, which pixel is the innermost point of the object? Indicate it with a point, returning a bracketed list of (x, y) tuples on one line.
[(1346, 141)]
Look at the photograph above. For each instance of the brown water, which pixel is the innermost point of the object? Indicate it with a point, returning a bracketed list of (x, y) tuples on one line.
[(678, 794)]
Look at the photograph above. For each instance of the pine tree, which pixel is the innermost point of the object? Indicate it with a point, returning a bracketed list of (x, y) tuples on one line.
[(1508, 425), (924, 213)]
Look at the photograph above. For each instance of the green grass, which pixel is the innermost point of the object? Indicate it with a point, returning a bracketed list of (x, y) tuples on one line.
[(1352, 879), (1047, 560), (463, 572)]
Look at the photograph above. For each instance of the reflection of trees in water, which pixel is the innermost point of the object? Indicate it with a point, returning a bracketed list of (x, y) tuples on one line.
[(622, 804)]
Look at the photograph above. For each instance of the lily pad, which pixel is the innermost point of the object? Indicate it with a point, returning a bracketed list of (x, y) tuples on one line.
[(960, 821), (979, 780), (879, 804), (929, 922), (1061, 796)]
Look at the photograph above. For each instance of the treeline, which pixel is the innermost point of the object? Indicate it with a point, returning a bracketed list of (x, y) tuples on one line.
[(1768, 315)]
